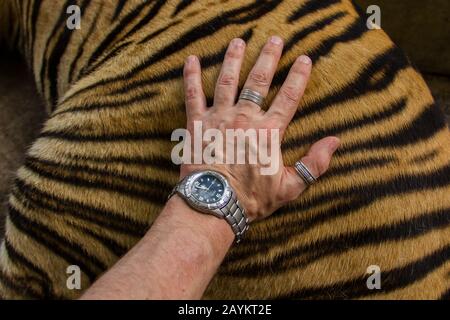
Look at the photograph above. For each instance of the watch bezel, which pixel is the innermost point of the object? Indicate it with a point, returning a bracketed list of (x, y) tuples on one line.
[(203, 205)]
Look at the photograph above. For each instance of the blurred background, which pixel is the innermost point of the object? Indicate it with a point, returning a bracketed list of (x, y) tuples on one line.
[(420, 27)]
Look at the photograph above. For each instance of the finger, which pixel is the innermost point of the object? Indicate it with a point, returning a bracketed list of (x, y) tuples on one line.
[(227, 83), (262, 73), (195, 99), (286, 101), (317, 160)]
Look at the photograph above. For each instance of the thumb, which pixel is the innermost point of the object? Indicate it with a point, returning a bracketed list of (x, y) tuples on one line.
[(317, 160)]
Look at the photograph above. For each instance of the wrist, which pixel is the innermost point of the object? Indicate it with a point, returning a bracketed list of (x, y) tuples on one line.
[(212, 236)]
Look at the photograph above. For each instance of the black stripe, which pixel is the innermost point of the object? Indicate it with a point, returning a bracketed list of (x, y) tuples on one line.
[(87, 70), (389, 64), (27, 31), (155, 9), (56, 27), (394, 279), (316, 26), (154, 161), (183, 4), (425, 156), (362, 196), (101, 61), (44, 280), (429, 122), (445, 295), (15, 43), (207, 61), (133, 136), (119, 9), (21, 23), (160, 188), (113, 34), (144, 96), (139, 180), (154, 196), (374, 191), (367, 163), (353, 32), (159, 31), (34, 19), (55, 57), (114, 221), (57, 244), (310, 7), (112, 245), (19, 285), (358, 8), (82, 45), (394, 109), (49, 204)]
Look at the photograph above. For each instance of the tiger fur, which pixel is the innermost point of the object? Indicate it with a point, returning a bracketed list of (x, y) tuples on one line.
[(100, 170)]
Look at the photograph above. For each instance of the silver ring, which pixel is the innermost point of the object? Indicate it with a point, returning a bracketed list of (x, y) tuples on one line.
[(252, 96), (304, 173)]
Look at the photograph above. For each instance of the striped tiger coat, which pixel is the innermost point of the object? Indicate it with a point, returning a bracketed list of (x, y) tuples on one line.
[(100, 170)]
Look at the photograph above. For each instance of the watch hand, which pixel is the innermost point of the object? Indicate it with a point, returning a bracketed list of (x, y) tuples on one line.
[(210, 186), (199, 186)]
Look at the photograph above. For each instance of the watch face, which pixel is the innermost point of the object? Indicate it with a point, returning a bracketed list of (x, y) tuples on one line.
[(208, 189)]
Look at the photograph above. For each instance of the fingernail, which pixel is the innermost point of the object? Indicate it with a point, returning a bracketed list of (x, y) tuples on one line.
[(238, 43), (190, 59), (276, 40), (305, 59), (334, 144)]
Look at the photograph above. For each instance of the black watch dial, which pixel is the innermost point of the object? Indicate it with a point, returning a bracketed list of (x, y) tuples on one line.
[(208, 189)]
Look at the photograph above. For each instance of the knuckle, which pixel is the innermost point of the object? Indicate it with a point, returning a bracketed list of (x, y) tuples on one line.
[(227, 79), (259, 77), (232, 54), (290, 94), (190, 71), (269, 50), (242, 115), (191, 93)]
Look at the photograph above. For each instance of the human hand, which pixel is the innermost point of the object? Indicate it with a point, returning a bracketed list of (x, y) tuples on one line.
[(260, 194)]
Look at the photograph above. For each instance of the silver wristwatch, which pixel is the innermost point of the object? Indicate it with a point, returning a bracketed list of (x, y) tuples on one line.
[(209, 192)]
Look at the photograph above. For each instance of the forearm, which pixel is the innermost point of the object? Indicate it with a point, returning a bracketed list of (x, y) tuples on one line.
[(176, 259)]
